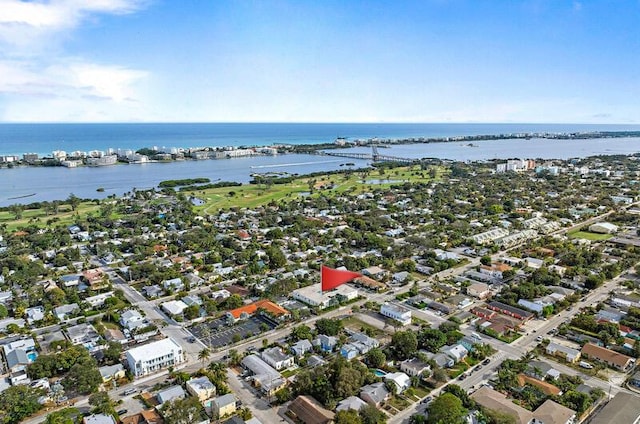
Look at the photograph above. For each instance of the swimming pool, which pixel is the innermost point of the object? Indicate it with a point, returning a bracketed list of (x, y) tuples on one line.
[(379, 373)]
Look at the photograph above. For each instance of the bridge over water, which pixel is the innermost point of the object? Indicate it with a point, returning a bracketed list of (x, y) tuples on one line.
[(374, 156)]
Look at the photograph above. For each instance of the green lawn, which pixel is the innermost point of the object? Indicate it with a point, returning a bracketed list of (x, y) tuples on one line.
[(39, 217), (589, 236), (253, 195)]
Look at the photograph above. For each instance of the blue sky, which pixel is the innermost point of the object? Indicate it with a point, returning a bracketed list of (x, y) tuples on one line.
[(319, 61)]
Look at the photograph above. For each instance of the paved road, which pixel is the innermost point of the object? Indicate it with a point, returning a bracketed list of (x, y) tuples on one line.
[(524, 344)]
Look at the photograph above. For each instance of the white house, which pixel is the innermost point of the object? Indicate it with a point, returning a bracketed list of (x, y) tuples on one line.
[(154, 356), (174, 307), (400, 379), (397, 312), (456, 352), (603, 228), (131, 319), (276, 358)]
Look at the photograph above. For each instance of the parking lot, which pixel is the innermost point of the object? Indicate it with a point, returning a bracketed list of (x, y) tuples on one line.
[(218, 333)]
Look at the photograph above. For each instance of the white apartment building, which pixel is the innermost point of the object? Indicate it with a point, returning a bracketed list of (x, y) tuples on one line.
[(154, 356), (397, 312)]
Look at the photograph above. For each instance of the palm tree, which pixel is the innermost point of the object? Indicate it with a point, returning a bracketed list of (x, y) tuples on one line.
[(204, 354)]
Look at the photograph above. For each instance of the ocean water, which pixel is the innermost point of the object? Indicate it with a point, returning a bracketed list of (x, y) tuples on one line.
[(33, 184), (16, 139)]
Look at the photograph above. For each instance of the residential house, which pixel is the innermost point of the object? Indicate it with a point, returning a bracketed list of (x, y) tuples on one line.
[(203, 389), (564, 352), (98, 419), (352, 402), (132, 319), (551, 412), (150, 416), (495, 270), (152, 292), (611, 358), (349, 351), (441, 360), (170, 394), (223, 405), (115, 335), (496, 401), (154, 356), (83, 334), (326, 343), (374, 394), (18, 354), (174, 284), (71, 280), (264, 376), (363, 342), (96, 278), (512, 311), (396, 312), (374, 272), (276, 358), (111, 372), (479, 290), (456, 352), (307, 410), (624, 408), (98, 300), (415, 367), (301, 347), (546, 388), (64, 311), (400, 380), (535, 306), (174, 307), (34, 314)]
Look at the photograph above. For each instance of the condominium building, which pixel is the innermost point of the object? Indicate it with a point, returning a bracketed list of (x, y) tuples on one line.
[(154, 356)]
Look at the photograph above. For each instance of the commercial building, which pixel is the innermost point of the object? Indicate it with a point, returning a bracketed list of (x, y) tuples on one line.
[(314, 296), (396, 312), (154, 356)]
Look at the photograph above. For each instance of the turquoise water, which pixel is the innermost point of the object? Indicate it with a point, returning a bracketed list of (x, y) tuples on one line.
[(16, 139), (379, 373)]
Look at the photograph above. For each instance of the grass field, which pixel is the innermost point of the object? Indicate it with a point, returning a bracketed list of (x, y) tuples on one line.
[(39, 217), (589, 236), (248, 195), (254, 195)]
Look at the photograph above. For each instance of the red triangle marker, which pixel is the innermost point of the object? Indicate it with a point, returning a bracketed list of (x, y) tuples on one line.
[(331, 278)]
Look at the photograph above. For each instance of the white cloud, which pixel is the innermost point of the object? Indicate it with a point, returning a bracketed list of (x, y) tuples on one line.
[(40, 81)]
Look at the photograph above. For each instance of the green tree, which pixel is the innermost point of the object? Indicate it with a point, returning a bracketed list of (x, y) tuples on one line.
[(3, 311), (83, 377), (101, 403), (192, 312), (182, 411), (372, 415), (112, 352), (329, 326), (18, 402), (446, 409), (64, 416), (404, 344), (348, 416), (73, 201), (375, 358), (204, 355), (301, 332)]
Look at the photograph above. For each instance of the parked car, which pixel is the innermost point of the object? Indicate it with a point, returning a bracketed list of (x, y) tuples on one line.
[(129, 391), (539, 339), (122, 411), (486, 361)]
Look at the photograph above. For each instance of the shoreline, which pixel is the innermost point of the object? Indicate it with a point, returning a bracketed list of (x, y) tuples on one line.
[(143, 154)]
